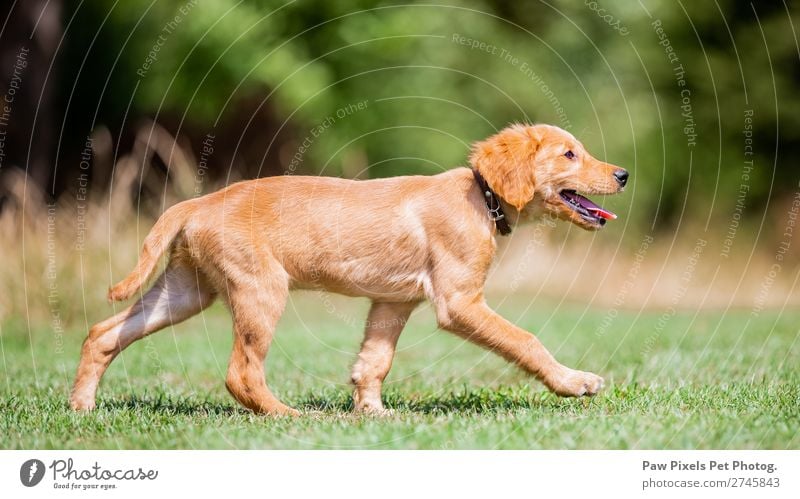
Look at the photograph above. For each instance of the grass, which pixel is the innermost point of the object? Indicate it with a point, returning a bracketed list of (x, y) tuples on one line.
[(682, 380)]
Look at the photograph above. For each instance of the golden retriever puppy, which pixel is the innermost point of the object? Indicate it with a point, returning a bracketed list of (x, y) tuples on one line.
[(397, 241)]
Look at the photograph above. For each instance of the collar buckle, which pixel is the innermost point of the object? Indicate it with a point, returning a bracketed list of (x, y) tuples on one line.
[(496, 214), (494, 209)]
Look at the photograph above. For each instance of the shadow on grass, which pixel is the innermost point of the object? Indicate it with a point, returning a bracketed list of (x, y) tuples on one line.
[(168, 405), (475, 400)]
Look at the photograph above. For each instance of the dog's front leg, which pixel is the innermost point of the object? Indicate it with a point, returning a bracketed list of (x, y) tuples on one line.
[(384, 324), (472, 319)]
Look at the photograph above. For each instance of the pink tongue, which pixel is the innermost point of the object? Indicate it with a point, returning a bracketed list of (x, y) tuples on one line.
[(600, 212), (593, 208)]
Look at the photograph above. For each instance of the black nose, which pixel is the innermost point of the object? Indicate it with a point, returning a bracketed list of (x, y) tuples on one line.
[(621, 176)]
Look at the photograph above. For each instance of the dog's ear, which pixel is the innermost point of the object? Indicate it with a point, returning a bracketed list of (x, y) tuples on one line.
[(506, 161)]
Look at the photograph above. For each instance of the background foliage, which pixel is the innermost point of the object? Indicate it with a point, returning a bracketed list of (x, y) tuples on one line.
[(260, 75)]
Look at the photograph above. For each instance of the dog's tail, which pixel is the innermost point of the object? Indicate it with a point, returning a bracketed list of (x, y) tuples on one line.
[(158, 241)]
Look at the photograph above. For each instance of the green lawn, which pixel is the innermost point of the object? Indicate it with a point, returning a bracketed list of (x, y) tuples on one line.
[(707, 380)]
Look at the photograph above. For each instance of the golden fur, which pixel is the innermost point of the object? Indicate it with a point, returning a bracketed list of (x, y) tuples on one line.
[(254, 241)]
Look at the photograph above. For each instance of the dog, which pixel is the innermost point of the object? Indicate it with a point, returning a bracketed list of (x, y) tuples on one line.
[(397, 241)]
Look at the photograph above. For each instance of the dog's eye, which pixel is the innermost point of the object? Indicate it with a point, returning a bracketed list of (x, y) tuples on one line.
[(569, 155)]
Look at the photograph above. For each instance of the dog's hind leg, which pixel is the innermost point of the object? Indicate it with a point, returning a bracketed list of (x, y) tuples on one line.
[(179, 293), (256, 305), (384, 324)]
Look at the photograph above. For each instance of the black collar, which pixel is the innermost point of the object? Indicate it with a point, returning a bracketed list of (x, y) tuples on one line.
[(492, 204)]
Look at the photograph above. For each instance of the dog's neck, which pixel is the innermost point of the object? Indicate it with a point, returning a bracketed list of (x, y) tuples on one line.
[(494, 205)]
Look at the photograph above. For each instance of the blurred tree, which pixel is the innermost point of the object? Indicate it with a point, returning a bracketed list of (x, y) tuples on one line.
[(30, 37)]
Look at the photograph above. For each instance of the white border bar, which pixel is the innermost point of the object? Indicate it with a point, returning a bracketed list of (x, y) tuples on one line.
[(406, 474)]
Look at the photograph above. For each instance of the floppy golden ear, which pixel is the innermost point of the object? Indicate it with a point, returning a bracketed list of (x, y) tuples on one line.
[(506, 162)]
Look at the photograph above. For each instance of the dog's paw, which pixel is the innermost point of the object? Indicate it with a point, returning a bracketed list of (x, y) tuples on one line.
[(283, 411), (372, 408), (378, 412), (572, 383), (369, 403), (81, 403)]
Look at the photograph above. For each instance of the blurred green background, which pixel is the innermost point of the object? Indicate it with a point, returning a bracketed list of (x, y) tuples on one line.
[(261, 75)]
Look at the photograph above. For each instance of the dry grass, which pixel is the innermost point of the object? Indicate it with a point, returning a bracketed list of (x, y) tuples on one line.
[(628, 272), (62, 256)]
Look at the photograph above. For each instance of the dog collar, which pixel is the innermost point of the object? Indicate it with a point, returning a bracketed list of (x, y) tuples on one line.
[(492, 204)]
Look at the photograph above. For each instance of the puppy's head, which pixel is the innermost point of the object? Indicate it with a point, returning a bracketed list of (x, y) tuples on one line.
[(542, 166)]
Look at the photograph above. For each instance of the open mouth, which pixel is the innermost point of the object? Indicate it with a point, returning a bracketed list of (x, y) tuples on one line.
[(586, 208)]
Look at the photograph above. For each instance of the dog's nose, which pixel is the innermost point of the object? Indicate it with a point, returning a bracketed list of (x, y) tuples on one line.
[(621, 176)]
